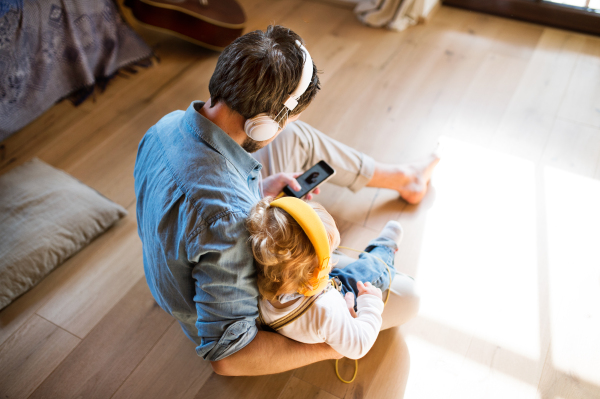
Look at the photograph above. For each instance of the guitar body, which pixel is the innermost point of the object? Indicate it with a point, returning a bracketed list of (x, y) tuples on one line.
[(214, 25)]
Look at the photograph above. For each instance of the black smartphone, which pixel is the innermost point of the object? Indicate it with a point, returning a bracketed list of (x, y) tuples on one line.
[(311, 179)]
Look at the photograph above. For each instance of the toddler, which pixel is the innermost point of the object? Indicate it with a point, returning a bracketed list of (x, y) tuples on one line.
[(286, 260)]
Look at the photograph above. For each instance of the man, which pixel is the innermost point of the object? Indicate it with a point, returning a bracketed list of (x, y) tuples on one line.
[(196, 180)]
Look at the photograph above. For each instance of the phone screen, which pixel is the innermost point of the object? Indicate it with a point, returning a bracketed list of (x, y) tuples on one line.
[(310, 179)]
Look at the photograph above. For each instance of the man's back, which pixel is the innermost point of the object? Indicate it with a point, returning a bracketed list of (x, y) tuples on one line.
[(194, 187)]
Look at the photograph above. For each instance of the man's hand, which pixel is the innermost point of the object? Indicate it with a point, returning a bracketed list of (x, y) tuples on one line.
[(274, 184), (368, 288)]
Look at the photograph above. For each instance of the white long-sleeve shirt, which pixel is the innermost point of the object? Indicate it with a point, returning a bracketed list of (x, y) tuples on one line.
[(328, 320)]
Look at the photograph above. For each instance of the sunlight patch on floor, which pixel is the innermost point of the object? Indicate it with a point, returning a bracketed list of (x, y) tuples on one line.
[(509, 260), (573, 214), (478, 264), (452, 376)]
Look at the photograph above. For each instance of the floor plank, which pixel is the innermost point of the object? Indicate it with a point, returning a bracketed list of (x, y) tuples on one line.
[(313, 21), (298, 389), (38, 132), (353, 207), (332, 52), (515, 38), (356, 236), (268, 12), (386, 206), (480, 111), (31, 354), (262, 387), (22, 309), (573, 147), (532, 111), (582, 98), (171, 370), (111, 351)]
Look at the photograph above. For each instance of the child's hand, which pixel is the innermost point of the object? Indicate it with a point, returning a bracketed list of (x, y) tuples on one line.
[(368, 288), (349, 298)]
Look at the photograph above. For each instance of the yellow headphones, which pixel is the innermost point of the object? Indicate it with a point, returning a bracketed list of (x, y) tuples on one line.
[(312, 225)]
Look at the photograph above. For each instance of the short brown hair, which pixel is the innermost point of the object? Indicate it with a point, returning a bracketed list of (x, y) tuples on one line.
[(257, 72), (284, 255)]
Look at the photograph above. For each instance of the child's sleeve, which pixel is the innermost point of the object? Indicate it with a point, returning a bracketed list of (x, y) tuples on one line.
[(349, 336)]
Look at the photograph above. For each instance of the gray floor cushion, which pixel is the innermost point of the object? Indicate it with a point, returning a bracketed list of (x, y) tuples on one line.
[(45, 217)]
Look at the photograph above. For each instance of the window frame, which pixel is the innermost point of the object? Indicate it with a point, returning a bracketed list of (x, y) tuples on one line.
[(537, 11)]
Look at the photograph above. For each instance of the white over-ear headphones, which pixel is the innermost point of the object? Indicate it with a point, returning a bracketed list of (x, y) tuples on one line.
[(262, 127)]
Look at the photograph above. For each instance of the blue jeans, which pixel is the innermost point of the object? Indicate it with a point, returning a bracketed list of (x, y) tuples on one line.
[(368, 268)]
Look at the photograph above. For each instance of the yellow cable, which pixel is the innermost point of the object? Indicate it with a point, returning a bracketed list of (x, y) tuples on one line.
[(337, 371)]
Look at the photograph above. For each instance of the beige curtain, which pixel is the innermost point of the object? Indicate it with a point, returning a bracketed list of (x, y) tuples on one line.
[(392, 14)]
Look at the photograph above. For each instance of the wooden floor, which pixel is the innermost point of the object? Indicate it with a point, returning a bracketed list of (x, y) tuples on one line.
[(505, 247)]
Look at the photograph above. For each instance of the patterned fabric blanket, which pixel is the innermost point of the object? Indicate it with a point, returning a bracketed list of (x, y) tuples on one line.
[(51, 49)]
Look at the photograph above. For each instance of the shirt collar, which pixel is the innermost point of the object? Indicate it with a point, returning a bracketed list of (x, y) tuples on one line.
[(214, 136)]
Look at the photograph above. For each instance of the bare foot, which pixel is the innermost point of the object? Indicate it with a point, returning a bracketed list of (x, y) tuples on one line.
[(410, 180), (414, 191)]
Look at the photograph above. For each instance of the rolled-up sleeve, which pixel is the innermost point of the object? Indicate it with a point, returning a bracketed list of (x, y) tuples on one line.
[(236, 337), (225, 288)]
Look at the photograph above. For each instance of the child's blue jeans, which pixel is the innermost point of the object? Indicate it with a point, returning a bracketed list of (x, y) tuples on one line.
[(368, 268)]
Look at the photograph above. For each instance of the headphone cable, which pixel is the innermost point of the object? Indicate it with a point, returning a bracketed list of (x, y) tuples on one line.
[(337, 372)]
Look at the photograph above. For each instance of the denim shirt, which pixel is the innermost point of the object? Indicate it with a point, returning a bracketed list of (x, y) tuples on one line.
[(195, 186)]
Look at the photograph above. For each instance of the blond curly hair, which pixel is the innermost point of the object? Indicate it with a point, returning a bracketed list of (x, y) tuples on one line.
[(284, 255)]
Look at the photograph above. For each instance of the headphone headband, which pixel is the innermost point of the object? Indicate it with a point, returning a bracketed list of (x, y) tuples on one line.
[(305, 79), (313, 226), (262, 127)]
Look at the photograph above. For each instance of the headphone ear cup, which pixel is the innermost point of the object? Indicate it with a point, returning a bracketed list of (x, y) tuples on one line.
[(261, 127)]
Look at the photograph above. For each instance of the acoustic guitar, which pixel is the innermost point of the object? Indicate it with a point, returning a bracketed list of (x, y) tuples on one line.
[(209, 23)]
